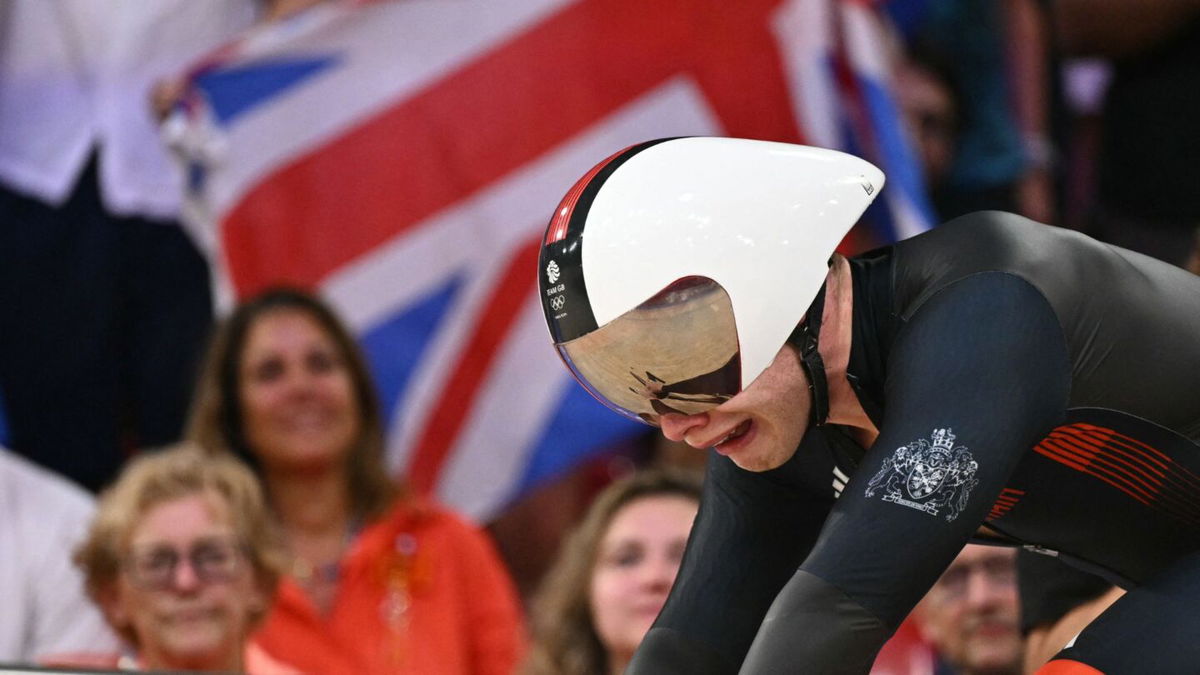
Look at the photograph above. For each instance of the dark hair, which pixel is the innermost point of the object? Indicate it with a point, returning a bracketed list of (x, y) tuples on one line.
[(216, 419), (940, 65)]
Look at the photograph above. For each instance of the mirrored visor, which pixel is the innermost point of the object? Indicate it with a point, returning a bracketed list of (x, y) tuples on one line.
[(676, 352)]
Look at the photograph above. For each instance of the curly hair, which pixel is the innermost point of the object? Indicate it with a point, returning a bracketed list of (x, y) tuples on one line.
[(155, 477), (565, 641)]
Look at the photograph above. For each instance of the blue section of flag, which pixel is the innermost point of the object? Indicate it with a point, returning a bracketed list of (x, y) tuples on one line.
[(396, 346), (231, 92), (580, 428), (878, 216), (898, 162)]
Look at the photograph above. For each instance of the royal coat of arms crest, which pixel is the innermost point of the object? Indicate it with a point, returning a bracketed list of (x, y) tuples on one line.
[(928, 475)]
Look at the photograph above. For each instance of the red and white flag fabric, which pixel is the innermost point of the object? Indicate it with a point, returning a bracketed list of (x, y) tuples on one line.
[(403, 159)]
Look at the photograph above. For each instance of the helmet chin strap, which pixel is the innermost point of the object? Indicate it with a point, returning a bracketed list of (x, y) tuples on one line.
[(804, 339)]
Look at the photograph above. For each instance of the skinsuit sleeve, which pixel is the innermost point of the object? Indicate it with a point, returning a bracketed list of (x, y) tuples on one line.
[(976, 378), (752, 531)]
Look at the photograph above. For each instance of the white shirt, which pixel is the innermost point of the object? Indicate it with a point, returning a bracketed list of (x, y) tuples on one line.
[(43, 607), (76, 74)]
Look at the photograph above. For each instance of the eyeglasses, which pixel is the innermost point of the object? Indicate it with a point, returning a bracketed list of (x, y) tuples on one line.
[(213, 561), (1000, 571)]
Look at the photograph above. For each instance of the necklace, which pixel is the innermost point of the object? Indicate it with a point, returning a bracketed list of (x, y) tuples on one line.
[(320, 580), (308, 574)]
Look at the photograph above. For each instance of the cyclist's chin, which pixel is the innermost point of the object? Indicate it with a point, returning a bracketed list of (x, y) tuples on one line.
[(760, 449)]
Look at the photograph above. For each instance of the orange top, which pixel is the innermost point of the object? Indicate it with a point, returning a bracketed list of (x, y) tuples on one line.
[(419, 591)]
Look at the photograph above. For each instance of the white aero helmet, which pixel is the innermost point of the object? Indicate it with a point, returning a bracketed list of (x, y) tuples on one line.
[(674, 271)]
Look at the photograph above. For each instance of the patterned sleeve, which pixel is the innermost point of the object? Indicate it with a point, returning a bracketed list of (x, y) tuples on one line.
[(978, 375)]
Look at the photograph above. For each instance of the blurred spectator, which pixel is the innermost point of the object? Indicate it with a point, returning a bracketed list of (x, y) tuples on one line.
[(1149, 145), (971, 615), (104, 302), (1057, 603), (932, 104), (613, 575), (381, 581), (993, 56), (42, 518), (183, 560), (530, 531)]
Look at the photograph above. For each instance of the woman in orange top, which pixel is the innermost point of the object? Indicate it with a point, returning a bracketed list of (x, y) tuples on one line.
[(381, 581)]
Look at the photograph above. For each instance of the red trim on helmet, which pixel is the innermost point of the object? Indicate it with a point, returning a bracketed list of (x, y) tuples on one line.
[(562, 215)]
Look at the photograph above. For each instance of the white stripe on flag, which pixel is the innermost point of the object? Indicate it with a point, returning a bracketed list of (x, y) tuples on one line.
[(802, 30), (490, 455), (908, 219), (390, 50), (865, 42)]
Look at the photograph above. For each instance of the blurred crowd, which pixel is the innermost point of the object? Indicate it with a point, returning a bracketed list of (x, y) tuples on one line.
[(184, 491)]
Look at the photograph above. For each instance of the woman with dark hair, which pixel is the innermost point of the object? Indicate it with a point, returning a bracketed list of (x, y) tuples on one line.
[(381, 581), (613, 575)]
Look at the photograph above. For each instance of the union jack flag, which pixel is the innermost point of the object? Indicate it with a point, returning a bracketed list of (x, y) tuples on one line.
[(404, 157)]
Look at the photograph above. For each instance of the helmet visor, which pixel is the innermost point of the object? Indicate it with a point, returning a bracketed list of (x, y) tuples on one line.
[(676, 352)]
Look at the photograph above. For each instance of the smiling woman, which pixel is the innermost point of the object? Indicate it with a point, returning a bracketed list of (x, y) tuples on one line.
[(380, 580), (182, 561)]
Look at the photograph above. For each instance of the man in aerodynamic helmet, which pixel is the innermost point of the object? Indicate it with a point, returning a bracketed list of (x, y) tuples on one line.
[(992, 380)]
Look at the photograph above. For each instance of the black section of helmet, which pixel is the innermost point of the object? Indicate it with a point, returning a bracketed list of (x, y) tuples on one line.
[(565, 302)]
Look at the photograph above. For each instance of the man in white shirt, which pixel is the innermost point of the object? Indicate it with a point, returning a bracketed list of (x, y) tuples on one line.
[(45, 610), (104, 302)]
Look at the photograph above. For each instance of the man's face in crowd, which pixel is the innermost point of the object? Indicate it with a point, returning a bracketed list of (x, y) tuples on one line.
[(971, 615), (760, 427)]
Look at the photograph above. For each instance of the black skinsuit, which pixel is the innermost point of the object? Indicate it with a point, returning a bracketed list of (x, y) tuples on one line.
[(1021, 376)]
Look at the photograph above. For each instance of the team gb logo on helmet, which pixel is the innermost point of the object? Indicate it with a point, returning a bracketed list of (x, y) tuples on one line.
[(927, 477)]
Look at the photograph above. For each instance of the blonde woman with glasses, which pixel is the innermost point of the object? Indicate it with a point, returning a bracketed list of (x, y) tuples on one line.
[(182, 561)]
